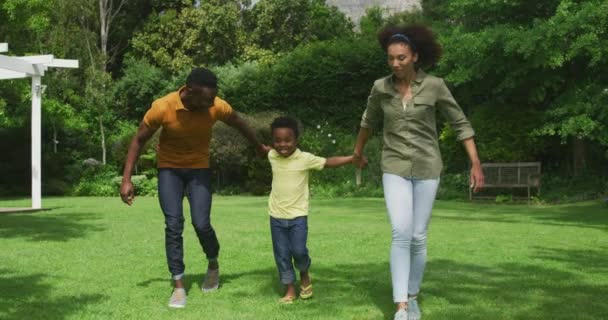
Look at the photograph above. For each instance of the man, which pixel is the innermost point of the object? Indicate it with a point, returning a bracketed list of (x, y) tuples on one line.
[(186, 117)]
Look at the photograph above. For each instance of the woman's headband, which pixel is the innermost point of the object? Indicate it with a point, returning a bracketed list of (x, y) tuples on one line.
[(402, 38)]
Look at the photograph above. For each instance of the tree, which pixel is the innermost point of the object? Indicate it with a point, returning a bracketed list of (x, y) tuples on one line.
[(98, 100), (280, 25), (549, 56), (177, 40), (108, 9)]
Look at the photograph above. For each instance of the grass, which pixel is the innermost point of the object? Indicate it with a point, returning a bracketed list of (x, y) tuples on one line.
[(94, 258)]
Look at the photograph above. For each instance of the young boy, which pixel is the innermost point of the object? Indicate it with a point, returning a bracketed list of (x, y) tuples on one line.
[(288, 204)]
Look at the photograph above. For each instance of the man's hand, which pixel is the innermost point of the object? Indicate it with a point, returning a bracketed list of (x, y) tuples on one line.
[(127, 192), (262, 150)]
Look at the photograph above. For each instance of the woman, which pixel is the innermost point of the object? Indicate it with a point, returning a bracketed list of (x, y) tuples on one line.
[(411, 162)]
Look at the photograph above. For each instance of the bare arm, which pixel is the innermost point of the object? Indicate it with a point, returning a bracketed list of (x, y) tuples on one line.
[(362, 138), (235, 121), (477, 178), (334, 162), (127, 193)]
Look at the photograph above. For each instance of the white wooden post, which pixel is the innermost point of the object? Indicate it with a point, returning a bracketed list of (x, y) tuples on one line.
[(36, 143), (35, 67)]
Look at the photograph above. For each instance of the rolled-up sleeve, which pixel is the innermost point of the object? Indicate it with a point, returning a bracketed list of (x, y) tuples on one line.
[(450, 109), (373, 112)]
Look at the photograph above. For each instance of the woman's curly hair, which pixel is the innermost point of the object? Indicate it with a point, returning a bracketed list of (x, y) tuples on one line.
[(424, 41)]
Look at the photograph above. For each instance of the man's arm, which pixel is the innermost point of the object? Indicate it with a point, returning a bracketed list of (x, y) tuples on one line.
[(235, 121), (127, 193)]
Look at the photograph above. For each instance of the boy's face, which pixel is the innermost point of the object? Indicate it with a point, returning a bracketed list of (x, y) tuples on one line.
[(284, 141)]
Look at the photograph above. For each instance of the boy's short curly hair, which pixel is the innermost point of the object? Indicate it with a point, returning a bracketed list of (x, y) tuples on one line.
[(286, 122), (421, 39)]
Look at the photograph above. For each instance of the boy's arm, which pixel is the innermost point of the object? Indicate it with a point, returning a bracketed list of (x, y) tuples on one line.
[(334, 162)]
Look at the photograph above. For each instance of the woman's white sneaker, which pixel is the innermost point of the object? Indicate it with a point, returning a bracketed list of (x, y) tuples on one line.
[(413, 312), (401, 314)]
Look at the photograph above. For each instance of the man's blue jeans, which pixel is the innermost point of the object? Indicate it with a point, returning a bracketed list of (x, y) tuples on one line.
[(173, 185), (289, 241)]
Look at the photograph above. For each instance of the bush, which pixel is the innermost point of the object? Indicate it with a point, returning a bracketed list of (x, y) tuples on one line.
[(97, 181), (559, 189), (233, 158), (140, 84), (119, 142), (453, 186), (319, 81), (55, 187)]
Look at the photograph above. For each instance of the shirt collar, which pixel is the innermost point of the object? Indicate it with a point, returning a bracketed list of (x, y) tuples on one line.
[(420, 75), (293, 155), (180, 105), (389, 81)]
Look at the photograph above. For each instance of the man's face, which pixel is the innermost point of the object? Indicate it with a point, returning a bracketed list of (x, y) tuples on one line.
[(198, 97)]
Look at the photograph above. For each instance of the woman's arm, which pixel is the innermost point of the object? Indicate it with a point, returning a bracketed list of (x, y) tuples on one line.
[(362, 138), (477, 178)]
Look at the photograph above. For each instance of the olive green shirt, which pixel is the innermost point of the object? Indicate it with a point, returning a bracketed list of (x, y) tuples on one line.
[(411, 146)]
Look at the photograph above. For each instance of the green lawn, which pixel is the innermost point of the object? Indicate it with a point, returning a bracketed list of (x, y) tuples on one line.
[(95, 258)]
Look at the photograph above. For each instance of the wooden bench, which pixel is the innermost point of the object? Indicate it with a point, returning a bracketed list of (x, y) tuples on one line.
[(511, 175)]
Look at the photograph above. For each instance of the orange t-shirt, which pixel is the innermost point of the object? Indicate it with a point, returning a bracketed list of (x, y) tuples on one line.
[(185, 136)]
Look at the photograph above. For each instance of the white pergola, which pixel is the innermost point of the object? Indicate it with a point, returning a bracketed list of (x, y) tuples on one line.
[(34, 67)]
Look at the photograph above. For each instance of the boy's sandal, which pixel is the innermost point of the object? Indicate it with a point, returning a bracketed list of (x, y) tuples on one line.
[(287, 299), (306, 292)]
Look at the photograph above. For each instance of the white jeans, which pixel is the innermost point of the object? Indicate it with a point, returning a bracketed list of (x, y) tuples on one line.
[(409, 203)]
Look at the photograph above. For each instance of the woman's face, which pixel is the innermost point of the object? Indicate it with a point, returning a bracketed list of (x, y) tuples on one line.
[(401, 59)]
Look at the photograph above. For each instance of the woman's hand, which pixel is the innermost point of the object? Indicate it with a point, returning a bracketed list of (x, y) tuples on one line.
[(477, 179), (359, 161)]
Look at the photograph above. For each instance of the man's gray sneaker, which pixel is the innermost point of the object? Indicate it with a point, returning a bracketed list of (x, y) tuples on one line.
[(212, 280), (401, 315), (413, 312), (178, 298)]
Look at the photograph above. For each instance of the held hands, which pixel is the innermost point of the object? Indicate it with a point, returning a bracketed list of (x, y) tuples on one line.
[(262, 150), (477, 179), (127, 192), (359, 161)]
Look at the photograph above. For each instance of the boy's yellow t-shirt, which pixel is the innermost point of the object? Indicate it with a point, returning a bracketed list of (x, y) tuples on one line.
[(289, 196)]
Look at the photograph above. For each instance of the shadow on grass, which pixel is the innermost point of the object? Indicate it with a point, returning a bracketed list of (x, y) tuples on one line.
[(551, 288), (194, 281), (47, 226), (511, 291), (455, 290), (589, 261), (585, 215), (29, 297)]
